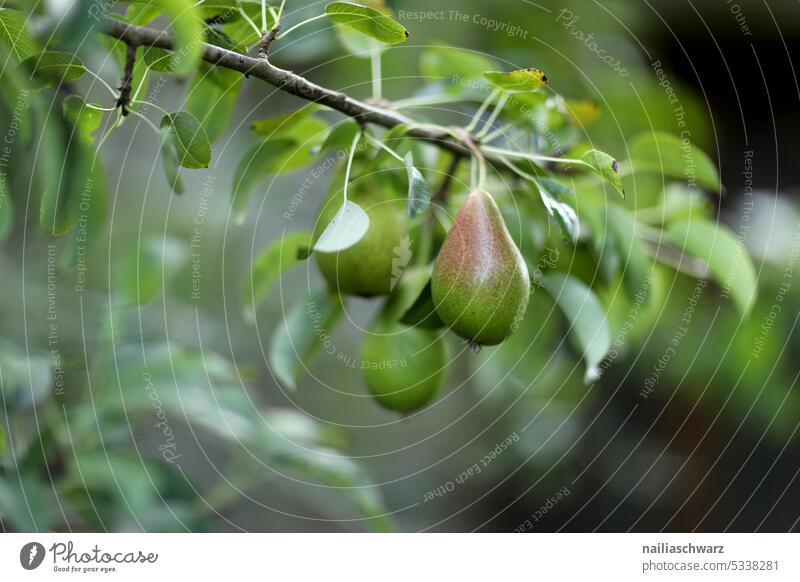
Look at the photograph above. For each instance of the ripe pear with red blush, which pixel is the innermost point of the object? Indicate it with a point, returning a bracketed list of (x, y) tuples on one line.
[(480, 283)]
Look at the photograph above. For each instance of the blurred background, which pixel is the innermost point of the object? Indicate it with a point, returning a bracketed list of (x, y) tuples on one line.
[(707, 442)]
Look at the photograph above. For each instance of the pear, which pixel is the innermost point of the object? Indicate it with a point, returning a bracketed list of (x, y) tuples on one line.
[(403, 367), (365, 269), (480, 283)]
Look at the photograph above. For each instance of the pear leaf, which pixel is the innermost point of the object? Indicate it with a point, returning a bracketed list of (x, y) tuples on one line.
[(340, 137), (283, 123), (86, 118), (184, 18), (605, 166), (669, 155), (367, 21), (422, 312), (283, 154), (6, 212), (726, 258), (588, 323), (583, 112), (188, 138), (281, 256), (348, 227), (14, 35), (564, 215), (297, 340), (170, 160), (419, 194), (636, 266), (519, 80), (52, 68), (157, 59), (450, 63)]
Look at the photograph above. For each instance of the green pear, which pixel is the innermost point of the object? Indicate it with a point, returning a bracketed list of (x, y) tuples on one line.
[(480, 283), (404, 367), (366, 268)]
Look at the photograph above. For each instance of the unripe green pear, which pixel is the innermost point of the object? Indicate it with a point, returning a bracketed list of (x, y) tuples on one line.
[(365, 269), (480, 284), (404, 367)]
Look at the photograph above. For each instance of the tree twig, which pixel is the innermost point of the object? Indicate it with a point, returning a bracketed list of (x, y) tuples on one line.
[(266, 40), (126, 87)]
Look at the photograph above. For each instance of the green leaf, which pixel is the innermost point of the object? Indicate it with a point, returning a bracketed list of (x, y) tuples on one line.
[(14, 35), (281, 256), (582, 112), (419, 194), (51, 68), (88, 214), (170, 160), (2, 441), (307, 134), (422, 312), (348, 227), (636, 266), (519, 80), (605, 166), (340, 137), (271, 156), (189, 139), (666, 154), (157, 59), (6, 210), (85, 118), (66, 174), (212, 99), (396, 139), (451, 63), (187, 26), (237, 29), (284, 123), (564, 215), (725, 256), (299, 336), (140, 277), (357, 44), (588, 323), (14, 92), (368, 21)]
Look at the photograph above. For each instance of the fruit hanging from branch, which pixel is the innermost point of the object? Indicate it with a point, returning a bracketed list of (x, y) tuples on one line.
[(404, 367), (480, 281)]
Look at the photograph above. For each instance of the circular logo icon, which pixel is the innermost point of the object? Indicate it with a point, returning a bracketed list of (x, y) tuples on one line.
[(31, 555)]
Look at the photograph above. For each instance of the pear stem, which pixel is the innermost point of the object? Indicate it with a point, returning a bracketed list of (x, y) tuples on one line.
[(481, 110), (493, 117), (386, 148), (377, 76), (533, 157), (350, 157), (250, 22), (477, 154), (299, 24), (474, 347)]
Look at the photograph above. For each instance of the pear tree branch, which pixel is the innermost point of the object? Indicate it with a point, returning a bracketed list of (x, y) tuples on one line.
[(298, 86)]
